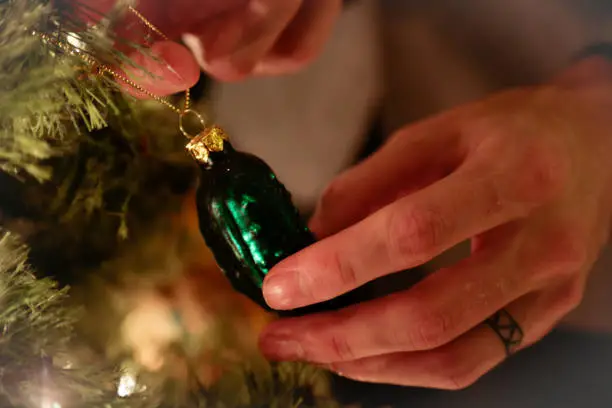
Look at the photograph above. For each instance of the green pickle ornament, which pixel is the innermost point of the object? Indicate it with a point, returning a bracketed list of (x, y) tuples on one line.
[(246, 215)]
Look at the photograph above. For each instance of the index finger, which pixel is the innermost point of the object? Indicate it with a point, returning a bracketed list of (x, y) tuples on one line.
[(402, 235)]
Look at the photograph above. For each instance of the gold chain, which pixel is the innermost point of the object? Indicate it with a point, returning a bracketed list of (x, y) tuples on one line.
[(102, 69)]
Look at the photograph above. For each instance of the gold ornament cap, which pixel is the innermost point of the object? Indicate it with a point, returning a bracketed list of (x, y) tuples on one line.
[(210, 140)]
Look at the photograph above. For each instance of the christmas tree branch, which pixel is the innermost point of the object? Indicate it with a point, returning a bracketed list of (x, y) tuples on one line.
[(85, 152), (41, 97)]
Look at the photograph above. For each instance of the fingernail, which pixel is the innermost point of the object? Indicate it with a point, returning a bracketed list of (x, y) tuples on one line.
[(165, 52), (278, 346), (169, 68), (278, 288)]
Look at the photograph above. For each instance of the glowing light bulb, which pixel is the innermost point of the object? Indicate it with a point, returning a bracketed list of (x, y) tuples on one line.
[(77, 43), (126, 387), (50, 404)]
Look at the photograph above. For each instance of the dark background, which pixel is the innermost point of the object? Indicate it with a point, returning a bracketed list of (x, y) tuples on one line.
[(567, 369)]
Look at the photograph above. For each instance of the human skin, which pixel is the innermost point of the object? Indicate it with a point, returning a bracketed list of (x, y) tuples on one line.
[(523, 174), (239, 38)]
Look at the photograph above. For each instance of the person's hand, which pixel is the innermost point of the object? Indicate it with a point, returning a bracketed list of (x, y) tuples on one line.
[(230, 39), (526, 175)]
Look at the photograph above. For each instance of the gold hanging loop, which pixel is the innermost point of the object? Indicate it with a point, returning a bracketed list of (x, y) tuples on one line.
[(182, 124)]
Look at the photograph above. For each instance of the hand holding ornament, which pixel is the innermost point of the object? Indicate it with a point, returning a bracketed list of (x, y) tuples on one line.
[(524, 175)]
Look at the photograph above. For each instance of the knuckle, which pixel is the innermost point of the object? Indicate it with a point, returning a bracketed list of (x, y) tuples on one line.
[(450, 376), (484, 132), (304, 54), (541, 173), (345, 270), (457, 382), (413, 234), (571, 297), (243, 68), (568, 250), (563, 253), (430, 331), (341, 348), (493, 197)]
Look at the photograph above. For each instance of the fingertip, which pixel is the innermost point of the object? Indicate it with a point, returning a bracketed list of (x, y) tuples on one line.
[(180, 68), (276, 290), (168, 69)]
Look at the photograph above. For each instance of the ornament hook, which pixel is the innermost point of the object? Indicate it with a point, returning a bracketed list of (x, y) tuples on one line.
[(181, 124)]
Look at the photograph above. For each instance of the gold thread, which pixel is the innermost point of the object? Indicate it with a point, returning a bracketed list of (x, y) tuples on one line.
[(147, 23), (104, 69), (157, 31), (211, 139)]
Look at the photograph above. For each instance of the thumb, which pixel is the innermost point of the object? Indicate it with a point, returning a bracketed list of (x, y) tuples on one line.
[(168, 68)]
